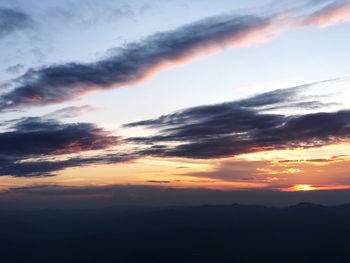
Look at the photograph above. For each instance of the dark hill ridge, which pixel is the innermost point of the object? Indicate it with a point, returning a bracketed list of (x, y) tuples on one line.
[(237, 233)]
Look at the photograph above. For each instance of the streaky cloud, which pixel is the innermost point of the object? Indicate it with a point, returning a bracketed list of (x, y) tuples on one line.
[(50, 168), (33, 136), (333, 14), (71, 112), (244, 126), (212, 131), (15, 69), (39, 138), (136, 62)]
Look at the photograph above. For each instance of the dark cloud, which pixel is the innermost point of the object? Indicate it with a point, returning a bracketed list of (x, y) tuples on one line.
[(212, 131), (309, 105), (36, 137), (50, 168), (158, 182), (238, 127), (133, 62), (137, 61), (276, 99), (212, 113), (12, 20)]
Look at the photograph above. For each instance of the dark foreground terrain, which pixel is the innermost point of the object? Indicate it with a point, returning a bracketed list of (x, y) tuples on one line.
[(302, 233)]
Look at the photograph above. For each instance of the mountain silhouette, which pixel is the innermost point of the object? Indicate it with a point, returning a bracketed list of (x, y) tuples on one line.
[(210, 233)]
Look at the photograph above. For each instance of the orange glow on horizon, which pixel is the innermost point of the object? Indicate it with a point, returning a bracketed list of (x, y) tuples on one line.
[(302, 155), (304, 187), (309, 187)]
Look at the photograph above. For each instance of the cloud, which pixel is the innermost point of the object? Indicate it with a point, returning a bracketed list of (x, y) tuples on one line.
[(12, 20), (159, 182), (238, 127), (204, 132), (87, 12), (50, 168), (33, 136), (267, 99), (236, 170), (333, 14), (36, 137), (329, 172), (137, 61), (315, 160), (15, 69), (71, 112)]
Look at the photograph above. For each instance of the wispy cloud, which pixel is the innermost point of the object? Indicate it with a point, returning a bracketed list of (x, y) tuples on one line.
[(333, 14), (87, 12), (41, 168), (71, 112), (15, 69), (134, 62), (204, 132), (12, 20), (242, 126)]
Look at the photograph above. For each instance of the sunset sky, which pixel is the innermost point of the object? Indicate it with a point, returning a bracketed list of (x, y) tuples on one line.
[(174, 102)]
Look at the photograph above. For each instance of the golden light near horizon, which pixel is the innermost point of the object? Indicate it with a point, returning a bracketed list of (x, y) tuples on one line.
[(304, 187), (281, 132), (213, 123)]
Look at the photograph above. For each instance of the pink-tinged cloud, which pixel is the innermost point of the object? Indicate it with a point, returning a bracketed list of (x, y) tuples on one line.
[(72, 111), (136, 62), (36, 137), (329, 16)]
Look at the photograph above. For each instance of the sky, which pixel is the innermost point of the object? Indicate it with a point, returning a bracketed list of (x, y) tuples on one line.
[(173, 102)]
